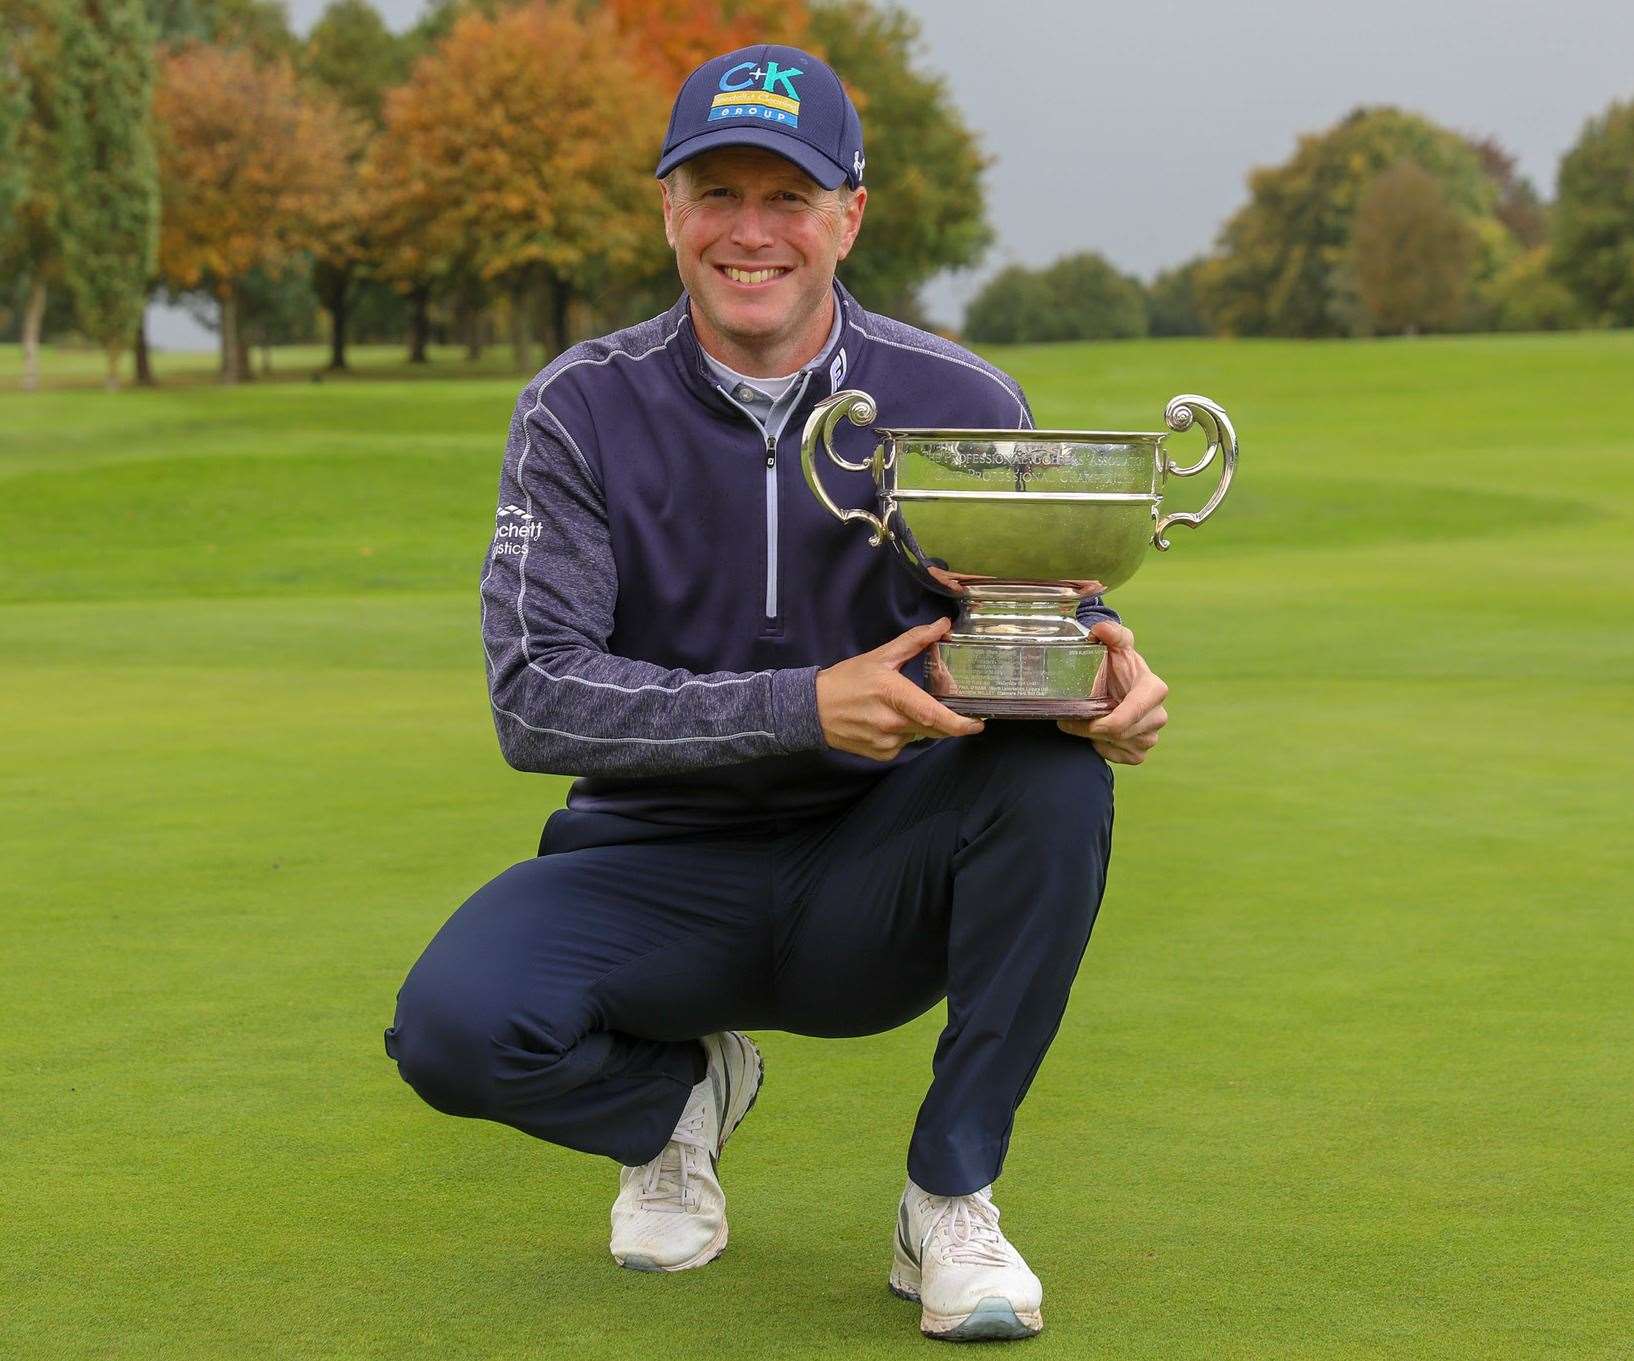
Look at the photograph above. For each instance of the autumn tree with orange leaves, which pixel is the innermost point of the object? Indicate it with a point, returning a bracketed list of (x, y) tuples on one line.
[(520, 151), (251, 166), (677, 36)]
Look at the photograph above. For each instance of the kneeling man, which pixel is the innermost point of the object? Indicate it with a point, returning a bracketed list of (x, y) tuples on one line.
[(775, 825)]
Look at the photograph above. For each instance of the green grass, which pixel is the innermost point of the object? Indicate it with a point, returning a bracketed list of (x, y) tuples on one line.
[(1347, 1071)]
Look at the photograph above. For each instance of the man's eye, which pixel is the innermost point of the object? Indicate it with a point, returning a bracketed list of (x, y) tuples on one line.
[(710, 193)]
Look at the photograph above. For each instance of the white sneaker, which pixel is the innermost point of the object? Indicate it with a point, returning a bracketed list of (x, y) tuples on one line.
[(970, 1282), (670, 1213)]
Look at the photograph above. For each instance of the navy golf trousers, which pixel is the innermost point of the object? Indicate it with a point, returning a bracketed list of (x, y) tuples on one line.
[(566, 996)]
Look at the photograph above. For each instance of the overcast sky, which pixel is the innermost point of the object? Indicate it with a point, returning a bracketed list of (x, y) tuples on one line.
[(1129, 129)]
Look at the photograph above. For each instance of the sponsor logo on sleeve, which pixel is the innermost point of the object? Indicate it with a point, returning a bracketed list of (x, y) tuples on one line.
[(513, 535)]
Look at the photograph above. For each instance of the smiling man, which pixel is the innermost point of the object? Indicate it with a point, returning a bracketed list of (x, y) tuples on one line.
[(774, 826)]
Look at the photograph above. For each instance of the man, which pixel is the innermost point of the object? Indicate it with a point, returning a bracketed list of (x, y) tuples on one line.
[(775, 826)]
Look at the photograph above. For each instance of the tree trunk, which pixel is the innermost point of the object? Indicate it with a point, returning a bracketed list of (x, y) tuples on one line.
[(114, 349), (521, 346), (231, 354), (144, 368), (550, 300), (246, 372), (468, 322), (338, 303), (33, 318), (561, 297), (419, 323)]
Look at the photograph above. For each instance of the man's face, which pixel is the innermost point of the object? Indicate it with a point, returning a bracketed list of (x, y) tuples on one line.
[(756, 241)]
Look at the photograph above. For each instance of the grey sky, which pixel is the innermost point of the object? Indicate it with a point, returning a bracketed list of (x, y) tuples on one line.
[(1129, 129)]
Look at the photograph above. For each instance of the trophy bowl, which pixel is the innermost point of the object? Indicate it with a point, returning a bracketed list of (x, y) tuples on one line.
[(1020, 526)]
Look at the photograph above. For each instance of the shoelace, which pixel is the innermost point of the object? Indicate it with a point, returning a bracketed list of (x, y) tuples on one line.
[(969, 1228), (666, 1180)]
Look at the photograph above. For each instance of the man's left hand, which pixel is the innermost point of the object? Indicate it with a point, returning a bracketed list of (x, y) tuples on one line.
[(1136, 692)]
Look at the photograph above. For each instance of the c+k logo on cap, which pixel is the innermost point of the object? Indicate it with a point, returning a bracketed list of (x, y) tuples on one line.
[(772, 76), (739, 98)]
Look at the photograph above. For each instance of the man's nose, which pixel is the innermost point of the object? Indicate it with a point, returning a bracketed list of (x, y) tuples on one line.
[(750, 228)]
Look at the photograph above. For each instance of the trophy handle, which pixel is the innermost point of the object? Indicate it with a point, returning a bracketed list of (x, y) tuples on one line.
[(1178, 415), (859, 406)]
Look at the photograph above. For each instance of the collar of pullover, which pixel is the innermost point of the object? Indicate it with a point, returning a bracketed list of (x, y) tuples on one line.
[(828, 370), (770, 391)]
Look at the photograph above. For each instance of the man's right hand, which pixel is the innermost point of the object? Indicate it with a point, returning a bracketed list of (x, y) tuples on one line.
[(869, 708)]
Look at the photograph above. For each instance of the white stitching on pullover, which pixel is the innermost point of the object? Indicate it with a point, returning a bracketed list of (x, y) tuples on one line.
[(522, 579), (924, 349), (637, 689), (655, 741)]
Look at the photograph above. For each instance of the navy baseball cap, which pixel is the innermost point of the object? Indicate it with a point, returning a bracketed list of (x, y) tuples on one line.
[(770, 96)]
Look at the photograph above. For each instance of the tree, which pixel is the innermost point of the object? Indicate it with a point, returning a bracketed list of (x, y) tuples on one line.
[(1593, 241), (679, 35), (109, 224), (13, 112), (1412, 252), (1012, 306), (1283, 259), (14, 109), (1171, 302), (1079, 297), (277, 306), (1520, 208), (352, 53), (670, 39), (340, 245), (926, 206), (1092, 300), (261, 26), (437, 18), (247, 162), (30, 235), (519, 151), (1528, 297)]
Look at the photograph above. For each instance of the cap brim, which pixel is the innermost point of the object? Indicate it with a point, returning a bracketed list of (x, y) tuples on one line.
[(827, 172)]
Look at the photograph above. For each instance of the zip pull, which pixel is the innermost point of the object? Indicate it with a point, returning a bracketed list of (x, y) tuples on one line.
[(771, 452)]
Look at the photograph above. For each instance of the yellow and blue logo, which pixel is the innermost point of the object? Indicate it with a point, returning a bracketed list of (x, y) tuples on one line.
[(739, 97)]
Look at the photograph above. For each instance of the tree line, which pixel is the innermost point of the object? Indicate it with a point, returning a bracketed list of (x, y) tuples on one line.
[(1384, 224), (486, 173)]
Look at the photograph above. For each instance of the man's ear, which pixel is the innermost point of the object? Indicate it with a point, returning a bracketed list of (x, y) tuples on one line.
[(669, 231), (851, 222)]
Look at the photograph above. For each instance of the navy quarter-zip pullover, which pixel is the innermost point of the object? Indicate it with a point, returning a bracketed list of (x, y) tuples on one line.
[(662, 587)]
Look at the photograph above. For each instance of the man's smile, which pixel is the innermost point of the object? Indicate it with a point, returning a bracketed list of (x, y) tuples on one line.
[(761, 277)]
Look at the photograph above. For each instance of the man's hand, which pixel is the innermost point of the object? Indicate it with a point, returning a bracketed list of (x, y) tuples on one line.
[(869, 708), (1137, 693)]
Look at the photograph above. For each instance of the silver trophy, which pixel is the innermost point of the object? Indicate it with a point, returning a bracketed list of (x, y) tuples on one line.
[(1019, 525)]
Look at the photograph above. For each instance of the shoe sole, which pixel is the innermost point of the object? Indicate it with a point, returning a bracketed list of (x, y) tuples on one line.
[(994, 1319), (637, 1262)]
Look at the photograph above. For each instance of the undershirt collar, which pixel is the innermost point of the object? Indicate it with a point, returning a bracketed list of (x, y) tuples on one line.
[(770, 388)]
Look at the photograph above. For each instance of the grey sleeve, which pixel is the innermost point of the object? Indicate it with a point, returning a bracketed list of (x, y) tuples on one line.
[(563, 704), (1092, 609)]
